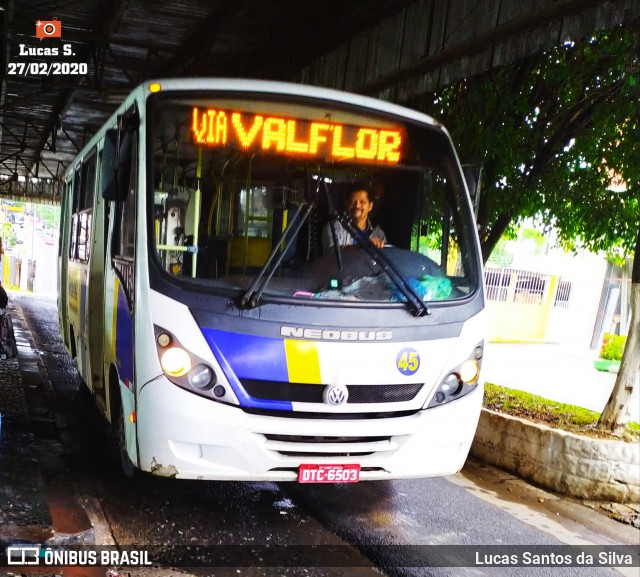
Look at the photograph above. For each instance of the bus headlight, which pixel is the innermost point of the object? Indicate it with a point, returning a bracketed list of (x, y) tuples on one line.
[(469, 371), (175, 362), (187, 370), (163, 339), (459, 381), (201, 377), (450, 384)]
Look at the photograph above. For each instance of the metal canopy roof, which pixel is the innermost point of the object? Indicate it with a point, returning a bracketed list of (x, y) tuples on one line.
[(392, 49)]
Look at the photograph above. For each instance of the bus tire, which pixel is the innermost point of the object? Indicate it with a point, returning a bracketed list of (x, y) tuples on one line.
[(129, 470), (72, 342)]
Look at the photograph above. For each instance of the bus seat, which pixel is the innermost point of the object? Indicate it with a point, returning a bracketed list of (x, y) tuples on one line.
[(256, 250)]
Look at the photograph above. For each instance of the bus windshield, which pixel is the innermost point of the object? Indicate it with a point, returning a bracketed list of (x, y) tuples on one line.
[(307, 200)]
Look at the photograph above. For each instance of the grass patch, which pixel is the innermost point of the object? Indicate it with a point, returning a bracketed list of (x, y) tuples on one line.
[(551, 413)]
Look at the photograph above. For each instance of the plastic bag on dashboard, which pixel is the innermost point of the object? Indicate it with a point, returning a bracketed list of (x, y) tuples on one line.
[(430, 288)]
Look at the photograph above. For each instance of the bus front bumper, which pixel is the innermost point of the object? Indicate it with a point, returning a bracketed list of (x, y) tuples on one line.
[(186, 436)]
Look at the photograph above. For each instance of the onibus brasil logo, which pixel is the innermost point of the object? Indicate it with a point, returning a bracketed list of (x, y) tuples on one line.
[(38, 555)]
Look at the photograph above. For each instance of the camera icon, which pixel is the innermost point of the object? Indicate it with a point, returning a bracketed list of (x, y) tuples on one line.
[(48, 29)]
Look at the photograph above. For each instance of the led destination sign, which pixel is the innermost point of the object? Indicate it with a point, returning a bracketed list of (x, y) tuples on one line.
[(295, 137)]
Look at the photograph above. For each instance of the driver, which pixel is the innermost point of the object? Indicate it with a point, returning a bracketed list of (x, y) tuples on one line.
[(359, 205)]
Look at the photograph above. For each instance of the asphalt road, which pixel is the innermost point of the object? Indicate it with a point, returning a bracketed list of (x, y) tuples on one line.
[(367, 528)]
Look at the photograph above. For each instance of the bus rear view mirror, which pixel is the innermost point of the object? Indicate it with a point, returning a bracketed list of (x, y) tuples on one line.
[(117, 159), (109, 166)]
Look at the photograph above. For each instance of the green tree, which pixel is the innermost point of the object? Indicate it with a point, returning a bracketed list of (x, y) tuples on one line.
[(552, 133), (50, 215)]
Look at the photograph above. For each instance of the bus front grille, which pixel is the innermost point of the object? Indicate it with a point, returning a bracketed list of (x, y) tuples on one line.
[(328, 416), (305, 393), (322, 446)]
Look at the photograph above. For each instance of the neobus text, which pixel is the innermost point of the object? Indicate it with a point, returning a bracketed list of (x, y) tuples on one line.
[(335, 335)]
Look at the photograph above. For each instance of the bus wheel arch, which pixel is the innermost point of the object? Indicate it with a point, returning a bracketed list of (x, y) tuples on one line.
[(113, 399), (117, 420)]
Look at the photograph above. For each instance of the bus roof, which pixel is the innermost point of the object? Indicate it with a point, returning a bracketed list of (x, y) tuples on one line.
[(288, 88), (257, 86)]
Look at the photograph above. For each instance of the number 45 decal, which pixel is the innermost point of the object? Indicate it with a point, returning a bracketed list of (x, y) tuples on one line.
[(408, 361)]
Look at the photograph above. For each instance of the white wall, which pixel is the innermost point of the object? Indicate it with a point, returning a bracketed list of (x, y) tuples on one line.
[(586, 272)]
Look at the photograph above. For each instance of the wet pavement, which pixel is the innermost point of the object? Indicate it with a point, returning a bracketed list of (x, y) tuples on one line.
[(39, 503), (24, 512), (38, 487), (36, 503), (52, 493)]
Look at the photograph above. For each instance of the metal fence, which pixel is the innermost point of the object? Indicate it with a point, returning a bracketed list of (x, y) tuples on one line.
[(497, 281), (563, 294), (521, 286)]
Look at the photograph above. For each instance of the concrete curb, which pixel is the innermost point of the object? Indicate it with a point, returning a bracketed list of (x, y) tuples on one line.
[(563, 462)]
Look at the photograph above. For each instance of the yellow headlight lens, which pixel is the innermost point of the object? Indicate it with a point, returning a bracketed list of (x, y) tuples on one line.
[(175, 362), (469, 371)]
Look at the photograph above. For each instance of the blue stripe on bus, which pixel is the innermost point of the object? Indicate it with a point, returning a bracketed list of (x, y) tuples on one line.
[(251, 357), (246, 356), (124, 339)]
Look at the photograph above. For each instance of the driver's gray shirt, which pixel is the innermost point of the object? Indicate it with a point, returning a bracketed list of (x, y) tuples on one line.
[(344, 238)]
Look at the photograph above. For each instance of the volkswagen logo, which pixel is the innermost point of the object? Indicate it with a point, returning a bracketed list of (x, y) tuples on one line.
[(335, 395)]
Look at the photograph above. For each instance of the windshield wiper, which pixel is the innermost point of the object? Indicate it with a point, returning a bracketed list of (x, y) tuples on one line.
[(251, 297)]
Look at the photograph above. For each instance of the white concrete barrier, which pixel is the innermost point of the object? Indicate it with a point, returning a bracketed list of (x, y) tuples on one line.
[(564, 462)]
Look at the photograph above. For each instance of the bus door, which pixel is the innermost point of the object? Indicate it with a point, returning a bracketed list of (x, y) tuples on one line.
[(89, 256), (96, 292), (63, 262), (79, 255), (119, 183)]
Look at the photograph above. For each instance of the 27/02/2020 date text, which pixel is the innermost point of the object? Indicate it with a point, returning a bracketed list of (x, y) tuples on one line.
[(46, 68)]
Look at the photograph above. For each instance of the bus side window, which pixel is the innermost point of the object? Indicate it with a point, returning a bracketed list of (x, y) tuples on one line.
[(64, 217), (84, 235), (82, 206), (87, 190), (75, 207), (72, 237), (251, 244)]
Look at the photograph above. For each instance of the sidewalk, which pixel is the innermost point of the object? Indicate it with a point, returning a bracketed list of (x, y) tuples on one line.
[(557, 372)]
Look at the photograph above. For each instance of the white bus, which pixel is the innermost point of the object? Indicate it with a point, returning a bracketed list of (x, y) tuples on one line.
[(219, 338)]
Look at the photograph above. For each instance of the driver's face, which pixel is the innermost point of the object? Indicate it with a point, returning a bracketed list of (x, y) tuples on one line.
[(359, 207)]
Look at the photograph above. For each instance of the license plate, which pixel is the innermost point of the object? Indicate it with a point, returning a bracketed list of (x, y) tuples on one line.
[(329, 474)]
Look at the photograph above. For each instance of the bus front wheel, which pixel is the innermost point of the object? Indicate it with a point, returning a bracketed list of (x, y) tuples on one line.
[(129, 470)]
